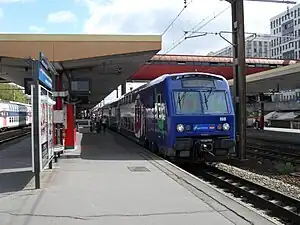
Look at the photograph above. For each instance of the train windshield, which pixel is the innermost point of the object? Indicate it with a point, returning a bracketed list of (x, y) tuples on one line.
[(204, 102), (214, 102)]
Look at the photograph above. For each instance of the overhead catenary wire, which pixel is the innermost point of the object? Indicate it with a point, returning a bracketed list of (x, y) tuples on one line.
[(195, 29), (183, 37), (178, 15)]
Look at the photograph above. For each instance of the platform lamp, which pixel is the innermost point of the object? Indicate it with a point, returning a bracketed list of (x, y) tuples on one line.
[(239, 67)]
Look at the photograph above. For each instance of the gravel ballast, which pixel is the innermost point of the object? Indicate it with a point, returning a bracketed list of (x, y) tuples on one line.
[(265, 181)]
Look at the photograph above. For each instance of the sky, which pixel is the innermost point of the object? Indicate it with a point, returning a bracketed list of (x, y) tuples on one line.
[(137, 17)]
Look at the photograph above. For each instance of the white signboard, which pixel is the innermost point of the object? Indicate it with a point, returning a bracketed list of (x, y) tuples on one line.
[(58, 116), (45, 127)]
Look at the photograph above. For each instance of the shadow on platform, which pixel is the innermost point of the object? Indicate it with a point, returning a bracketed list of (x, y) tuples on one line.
[(15, 165), (109, 146), (14, 181)]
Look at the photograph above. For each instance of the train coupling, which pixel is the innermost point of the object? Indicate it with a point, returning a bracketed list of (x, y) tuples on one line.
[(205, 146)]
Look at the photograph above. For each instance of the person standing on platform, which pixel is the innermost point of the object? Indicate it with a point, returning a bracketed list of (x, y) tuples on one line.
[(98, 125), (104, 123)]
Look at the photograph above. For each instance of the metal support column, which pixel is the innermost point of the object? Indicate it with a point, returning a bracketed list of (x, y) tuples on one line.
[(238, 40), (35, 117), (58, 106), (261, 111), (123, 88)]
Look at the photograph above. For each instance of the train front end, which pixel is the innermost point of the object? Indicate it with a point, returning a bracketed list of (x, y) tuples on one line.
[(202, 124)]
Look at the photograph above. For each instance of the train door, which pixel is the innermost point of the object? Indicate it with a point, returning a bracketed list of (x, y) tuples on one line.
[(158, 118), (138, 119), (144, 118), (160, 127), (3, 116)]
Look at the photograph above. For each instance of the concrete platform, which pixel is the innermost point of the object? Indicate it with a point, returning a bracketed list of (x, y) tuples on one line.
[(272, 135), (15, 166), (111, 180)]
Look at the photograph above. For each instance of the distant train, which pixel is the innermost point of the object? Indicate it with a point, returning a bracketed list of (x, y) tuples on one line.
[(187, 117), (14, 115)]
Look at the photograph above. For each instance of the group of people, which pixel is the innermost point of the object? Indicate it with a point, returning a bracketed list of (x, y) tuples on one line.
[(100, 124)]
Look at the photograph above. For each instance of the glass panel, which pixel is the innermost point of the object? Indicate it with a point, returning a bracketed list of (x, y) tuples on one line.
[(214, 102), (188, 102)]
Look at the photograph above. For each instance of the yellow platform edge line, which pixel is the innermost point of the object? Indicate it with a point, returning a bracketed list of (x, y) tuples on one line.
[(79, 37)]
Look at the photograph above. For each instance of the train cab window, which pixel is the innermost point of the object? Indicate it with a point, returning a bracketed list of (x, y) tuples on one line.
[(187, 102)]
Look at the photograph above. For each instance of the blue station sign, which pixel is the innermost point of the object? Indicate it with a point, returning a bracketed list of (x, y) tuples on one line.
[(44, 72), (44, 78)]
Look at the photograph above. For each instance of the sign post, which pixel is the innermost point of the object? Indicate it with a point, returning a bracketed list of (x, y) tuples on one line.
[(42, 129)]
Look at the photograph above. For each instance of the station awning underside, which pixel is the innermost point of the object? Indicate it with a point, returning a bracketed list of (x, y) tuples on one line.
[(286, 77), (107, 60)]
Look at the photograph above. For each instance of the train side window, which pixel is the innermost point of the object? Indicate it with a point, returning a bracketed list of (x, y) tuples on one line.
[(159, 98)]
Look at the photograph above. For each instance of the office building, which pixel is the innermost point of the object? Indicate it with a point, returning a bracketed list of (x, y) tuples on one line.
[(285, 29), (256, 46)]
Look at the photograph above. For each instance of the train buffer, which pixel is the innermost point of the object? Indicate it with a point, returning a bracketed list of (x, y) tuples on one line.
[(111, 180)]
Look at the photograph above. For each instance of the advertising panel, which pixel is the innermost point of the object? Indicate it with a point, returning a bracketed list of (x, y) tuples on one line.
[(44, 150), (42, 124)]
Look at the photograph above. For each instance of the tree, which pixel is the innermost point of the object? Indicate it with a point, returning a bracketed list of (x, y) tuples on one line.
[(12, 93)]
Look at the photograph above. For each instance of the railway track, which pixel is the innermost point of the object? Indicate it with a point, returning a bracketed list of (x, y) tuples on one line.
[(274, 203), (274, 151), (14, 134)]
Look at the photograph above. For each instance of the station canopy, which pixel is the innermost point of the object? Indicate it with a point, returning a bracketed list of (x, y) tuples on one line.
[(285, 77), (106, 60)]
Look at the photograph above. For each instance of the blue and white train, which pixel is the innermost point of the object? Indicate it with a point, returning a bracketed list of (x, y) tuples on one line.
[(14, 115), (187, 117)]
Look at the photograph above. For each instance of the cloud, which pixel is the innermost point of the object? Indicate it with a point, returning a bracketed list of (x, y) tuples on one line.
[(36, 29), (62, 17), (152, 17)]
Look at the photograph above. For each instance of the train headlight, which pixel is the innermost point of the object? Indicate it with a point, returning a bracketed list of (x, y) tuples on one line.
[(180, 128), (226, 126)]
